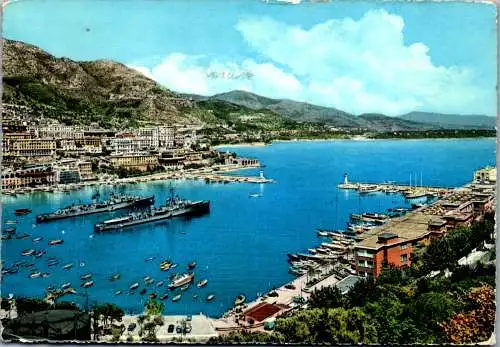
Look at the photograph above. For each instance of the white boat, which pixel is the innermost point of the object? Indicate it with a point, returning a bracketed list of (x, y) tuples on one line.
[(134, 286), (68, 266), (176, 298), (66, 285), (36, 274), (118, 292), (181, 281), (202, 283), (210, 297), (88, 284), (159, 284)]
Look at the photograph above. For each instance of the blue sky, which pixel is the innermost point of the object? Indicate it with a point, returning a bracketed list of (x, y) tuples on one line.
[(357, 56)]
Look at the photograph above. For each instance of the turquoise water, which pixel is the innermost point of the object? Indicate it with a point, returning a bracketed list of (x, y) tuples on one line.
[(241, 246)]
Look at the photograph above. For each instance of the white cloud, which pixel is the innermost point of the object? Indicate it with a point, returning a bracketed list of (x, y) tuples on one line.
[(355, 65)]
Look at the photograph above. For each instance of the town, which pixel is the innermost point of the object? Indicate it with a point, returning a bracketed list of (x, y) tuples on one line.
[(43, 155)]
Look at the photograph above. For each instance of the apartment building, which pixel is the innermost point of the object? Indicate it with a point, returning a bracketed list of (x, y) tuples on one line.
[(134, 161), (29, 177), (32, 147)]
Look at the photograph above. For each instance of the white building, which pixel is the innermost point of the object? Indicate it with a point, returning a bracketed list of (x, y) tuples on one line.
[(57, 131)]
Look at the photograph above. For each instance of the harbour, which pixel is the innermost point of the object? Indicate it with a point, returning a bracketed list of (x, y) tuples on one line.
[(250, 261)]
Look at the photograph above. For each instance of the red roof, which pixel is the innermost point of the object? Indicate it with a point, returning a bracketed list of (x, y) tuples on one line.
[(262, 311)]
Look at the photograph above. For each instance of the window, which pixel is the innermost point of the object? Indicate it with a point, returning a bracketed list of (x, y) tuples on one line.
[(404, 258)]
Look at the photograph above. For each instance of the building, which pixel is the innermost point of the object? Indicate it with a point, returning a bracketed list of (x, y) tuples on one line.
[(263, 311), (85, 170), (29, 177), (485, 175), (57, 131), (134, 161), (32, 147), (128, 145), (160, 137), (67, 175)]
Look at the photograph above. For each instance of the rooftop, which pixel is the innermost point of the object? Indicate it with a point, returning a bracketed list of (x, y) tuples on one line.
[(263, 311)]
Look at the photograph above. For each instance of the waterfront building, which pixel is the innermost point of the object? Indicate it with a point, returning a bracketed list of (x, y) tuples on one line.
[(172, 163), (134, 161), (57, 131), (28, 177), (129, 144), (394, 242), (486, 175), (85, 170), (67, 175), (157, 137)]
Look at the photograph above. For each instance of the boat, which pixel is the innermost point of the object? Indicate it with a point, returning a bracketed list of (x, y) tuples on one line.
[(53, 262), (240, 300), (113, 204), (38, 239), (152, 296), (68, 266), (23, 237), (6, 236), (176, 298), (143, 291), (10, 230), (115, 277), (28, 252), (118, 292), (11, 222), (185, 287), (191, 266), (147, 279), (202, 283), (174, 207), (374, 217), (87, 284), (368, 189), (159, 284), (66, 285), (312, 250), (22, 211), (322, 233), (416, 194), (150, 259), (293, 256), (181, 281), (134, 286), (86, 277), (55, 242), (257, 195), (195, 296), (36, 274), (210, 297), (164, 297)]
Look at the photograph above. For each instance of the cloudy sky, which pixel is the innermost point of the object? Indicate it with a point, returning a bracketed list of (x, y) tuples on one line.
[(391, 58)]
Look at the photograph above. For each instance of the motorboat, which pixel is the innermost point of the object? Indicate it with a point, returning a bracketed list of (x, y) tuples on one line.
[(28, 252), (66, 285), (160, 283), (86, 277), (118, 292), (181, 281), (202, 283), (87, 284), (192, 265), (55, 242), (210, 297), (115, 277), (38, 239), (176, 298), (68, 266), (134, 286)]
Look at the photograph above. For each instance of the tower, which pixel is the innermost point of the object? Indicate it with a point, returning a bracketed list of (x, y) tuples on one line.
[(346, 181)]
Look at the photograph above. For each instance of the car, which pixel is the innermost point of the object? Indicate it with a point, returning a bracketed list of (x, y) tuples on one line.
[(290, 286), (189, 318), (131, 326), (179, 329), (170, 328)]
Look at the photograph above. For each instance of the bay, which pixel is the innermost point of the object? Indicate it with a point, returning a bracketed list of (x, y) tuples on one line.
[(241, 246)]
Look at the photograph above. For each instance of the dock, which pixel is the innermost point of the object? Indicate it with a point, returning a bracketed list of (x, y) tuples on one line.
[(394, 188)]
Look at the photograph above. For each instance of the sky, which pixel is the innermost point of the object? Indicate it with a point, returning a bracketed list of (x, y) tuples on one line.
[(360, 57)]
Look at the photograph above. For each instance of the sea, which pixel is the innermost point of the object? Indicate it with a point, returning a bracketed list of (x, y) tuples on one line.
[(241, 246)]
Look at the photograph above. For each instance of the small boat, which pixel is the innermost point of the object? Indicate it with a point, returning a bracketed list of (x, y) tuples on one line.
[(68, 266), (240, 300), (87, 284), (150, 259), (118, 292), (11, 222), (164, 297), (192, 265), (312, 250), (210, 297), (10, 230), (159, 284), (28, 252), (152, 296), (176, 298), (45, 274), (66, 285), (23, 237), (38, 239), (195, 296), (6, 237), (22, 211), (134, 286), (322, 233), (36, 274), (143, 291), (257, 195), (53, 262), (86, 277), (184, 288), (115, 277), (202, 283), (55, 242), (50, 288), (147, 279)]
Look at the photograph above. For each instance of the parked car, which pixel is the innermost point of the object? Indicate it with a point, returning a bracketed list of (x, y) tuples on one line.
[(131, 326), (171, 328)]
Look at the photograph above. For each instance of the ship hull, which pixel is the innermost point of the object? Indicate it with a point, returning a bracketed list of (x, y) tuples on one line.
[(197, 209), (137, 203)]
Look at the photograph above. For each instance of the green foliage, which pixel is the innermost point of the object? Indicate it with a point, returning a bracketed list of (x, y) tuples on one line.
[(248, 337), (335, 325), (154, 307), (29, 305), (329, 297)]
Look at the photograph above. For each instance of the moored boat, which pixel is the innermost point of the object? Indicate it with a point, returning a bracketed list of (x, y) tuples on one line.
[(118, 292), (55, 242), (28, 252), (22, 211), (86, 277), (164, 297), (115, 277), (87, 284), (181, 281), (38, 239), (176, 298), (202, 283), (185, 287), (23, 237), (191, 266), (240, 300), (134, 286), (68, 266), (210, 297), (66, 285)]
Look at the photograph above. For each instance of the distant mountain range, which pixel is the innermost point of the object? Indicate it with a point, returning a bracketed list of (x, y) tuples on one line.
[(117, 96), (305, 112)]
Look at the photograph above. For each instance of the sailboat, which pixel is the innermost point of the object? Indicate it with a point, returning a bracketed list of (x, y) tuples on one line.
[(418, 192)]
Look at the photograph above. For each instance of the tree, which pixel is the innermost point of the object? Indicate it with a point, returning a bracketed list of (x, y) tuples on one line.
[(476, 325), (329, 297), (154, 307)]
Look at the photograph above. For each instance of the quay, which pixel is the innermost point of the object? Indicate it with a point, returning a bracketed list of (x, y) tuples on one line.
[(209, 175)]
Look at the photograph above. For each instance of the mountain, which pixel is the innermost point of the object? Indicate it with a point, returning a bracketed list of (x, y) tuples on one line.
[(452, 121), (385, 123), (82, 92)]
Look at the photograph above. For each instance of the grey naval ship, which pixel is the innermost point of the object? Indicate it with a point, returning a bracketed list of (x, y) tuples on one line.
[(113, 204), (174, 207)]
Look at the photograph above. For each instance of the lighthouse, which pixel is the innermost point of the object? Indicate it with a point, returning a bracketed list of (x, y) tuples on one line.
[(346, 181), (261, 173)]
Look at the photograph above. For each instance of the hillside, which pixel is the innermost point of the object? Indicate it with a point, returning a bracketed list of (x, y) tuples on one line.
[(452, 121)]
